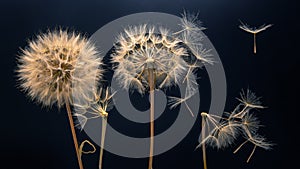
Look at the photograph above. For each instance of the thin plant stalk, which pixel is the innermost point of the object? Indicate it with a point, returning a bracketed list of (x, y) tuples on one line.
[(151, 86), (103, 131), (203, 145), (251, 154), (235, 151), (73, 133), (254, 41)]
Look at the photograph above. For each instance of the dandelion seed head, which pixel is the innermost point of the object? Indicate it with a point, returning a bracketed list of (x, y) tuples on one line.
[(46, 68), (141, 49), (100, 106), (172, 56)]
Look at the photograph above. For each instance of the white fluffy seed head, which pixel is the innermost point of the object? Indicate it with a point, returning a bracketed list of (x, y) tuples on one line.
[(140, 49), (172, 56), (55, 62)]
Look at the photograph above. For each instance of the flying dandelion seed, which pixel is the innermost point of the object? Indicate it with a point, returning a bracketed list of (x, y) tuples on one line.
[(46, 70), (149, 57), (99, 107), (254, 31), (249, 99), (240, 122)]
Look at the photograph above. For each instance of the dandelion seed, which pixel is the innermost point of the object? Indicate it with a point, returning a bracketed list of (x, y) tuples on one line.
[(46, 70), (225, 129), (254, 31), (191, 23), (249, 99)]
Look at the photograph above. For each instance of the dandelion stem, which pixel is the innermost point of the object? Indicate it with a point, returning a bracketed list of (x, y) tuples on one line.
[(241, 113), (86, 152), (73, 133), (254, 45), (251, 154), (203, 145), (103, 131), (151, 86), (236, 150)]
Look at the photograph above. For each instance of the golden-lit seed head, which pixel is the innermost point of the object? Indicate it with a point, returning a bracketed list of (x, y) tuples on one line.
[(140, 49), (54, 61), (172, 56)]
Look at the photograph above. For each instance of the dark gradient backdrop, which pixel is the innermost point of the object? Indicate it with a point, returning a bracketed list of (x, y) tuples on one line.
[(35, 138)]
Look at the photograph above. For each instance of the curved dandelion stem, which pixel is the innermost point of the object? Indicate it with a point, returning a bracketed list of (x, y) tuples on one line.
[(81, 151), (103, 131), (70, 117), (151, 86), (203, 145), (251, 154)]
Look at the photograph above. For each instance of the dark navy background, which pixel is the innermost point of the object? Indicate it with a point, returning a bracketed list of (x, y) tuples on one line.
[(36, 138)]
